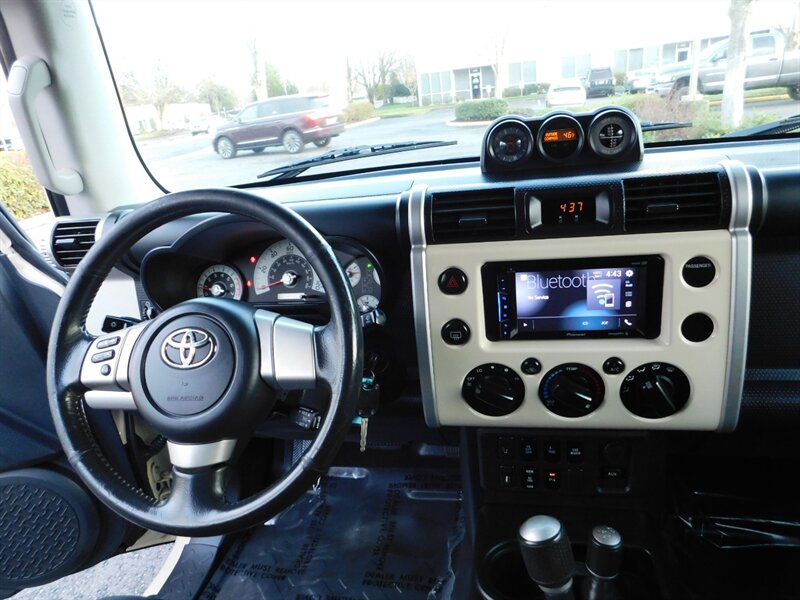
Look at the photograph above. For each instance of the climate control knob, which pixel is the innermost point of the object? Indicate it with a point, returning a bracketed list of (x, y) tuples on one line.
[(493, 389), (655, 390), (572, 390)]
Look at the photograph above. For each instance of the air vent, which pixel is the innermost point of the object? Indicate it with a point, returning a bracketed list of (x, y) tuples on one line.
[(674, 203), (72, 239), (473, 216)]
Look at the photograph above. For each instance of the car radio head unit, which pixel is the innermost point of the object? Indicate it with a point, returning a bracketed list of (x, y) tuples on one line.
[(576, 298)]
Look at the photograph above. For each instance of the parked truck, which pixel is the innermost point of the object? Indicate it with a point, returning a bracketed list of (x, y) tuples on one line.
[(769, 64)]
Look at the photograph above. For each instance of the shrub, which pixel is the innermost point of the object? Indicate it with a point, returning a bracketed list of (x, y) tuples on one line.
[(487, 109), (535, 88), (20, 191), (360, 110), (512, 92)]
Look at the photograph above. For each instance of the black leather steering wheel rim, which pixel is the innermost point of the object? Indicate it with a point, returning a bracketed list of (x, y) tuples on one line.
[(194, 508)]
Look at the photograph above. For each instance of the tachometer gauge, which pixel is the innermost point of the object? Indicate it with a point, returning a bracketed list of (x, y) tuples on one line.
[(220, 281), (367, 302), (611, 133), (282, 273), (560, 138), (510, 142)]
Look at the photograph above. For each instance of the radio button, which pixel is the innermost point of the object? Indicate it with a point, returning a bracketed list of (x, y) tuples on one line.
[(699, 271), (452, 281)]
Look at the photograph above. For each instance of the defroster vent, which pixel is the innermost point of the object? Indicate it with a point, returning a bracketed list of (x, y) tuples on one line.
[(476, 216), (674, 203), (72, 240)]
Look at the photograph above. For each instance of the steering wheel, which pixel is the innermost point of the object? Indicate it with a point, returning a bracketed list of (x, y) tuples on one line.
[(203, 374)]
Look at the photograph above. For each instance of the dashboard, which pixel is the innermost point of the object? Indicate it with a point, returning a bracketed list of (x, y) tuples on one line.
[(639, 295)]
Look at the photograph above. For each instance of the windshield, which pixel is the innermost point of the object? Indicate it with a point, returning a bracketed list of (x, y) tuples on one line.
[(216, 93)]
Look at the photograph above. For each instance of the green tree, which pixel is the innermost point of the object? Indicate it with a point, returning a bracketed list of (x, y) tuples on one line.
[(255, 78), (275, 85), (219, 97), (291, 88)]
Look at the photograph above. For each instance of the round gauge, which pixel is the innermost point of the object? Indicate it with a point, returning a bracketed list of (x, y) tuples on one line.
[(611, 133), (282, 273), (510, 142), (353, 272), (367, 302), (220, 281), (560, 138), (365, 281)]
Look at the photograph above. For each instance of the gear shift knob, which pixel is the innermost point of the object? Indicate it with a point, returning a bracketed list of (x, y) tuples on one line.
[(547, 554)]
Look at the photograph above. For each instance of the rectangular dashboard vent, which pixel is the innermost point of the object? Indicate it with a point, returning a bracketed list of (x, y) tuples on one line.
[(673, 203), (477, 216), (72, 239)]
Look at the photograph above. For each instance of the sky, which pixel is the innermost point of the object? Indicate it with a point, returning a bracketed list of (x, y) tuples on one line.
[(310, 40)]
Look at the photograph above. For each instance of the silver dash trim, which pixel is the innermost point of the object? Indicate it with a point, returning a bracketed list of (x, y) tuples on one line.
[(741, 277), (419, 291)]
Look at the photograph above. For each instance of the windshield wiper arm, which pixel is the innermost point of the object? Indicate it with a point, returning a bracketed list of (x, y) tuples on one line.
[(786, 125), (333, 156), (656, 126)]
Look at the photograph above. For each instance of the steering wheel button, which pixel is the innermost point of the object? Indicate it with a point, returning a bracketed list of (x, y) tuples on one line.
[(452, 281), (107, 342), (102, 356)]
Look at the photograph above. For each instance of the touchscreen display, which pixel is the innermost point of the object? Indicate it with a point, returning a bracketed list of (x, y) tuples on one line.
[(581, 300), (594, 297)]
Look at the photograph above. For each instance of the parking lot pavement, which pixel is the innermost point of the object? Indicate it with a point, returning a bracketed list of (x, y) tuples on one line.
[(129, 573)]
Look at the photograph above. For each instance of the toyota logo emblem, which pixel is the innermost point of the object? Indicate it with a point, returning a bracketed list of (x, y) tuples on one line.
[(188, 348)]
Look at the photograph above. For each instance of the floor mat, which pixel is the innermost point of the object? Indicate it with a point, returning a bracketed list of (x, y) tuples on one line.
[(366, 534)]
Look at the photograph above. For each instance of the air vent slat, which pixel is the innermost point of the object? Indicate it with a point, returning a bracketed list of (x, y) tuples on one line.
[(673, 202), (473, 216), (71, 240)]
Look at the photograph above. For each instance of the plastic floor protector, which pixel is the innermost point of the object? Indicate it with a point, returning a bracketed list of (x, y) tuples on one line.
[(361, 534)]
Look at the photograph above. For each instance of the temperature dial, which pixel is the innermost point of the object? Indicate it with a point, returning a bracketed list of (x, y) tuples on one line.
[(572, 390), (655, 390), (493, 389)]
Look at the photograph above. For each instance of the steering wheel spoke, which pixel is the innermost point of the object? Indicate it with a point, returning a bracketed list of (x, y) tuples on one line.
[(288, 352), (104, 370)]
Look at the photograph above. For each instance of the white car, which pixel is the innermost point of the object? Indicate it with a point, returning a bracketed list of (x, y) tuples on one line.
[(566, 92)]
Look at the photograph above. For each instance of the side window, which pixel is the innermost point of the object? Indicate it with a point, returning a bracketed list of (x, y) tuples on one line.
[(249, 114), (763, 45), (267, 109)]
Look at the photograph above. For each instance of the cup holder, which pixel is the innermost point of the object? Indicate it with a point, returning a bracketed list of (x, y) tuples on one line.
[(502, 574)]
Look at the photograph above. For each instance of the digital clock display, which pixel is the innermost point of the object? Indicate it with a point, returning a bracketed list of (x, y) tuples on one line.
[(560, 135), (564, 212)]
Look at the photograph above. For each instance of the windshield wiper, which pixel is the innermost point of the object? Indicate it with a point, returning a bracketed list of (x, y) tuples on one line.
[(786, 125), (352, 153), (656, 126)]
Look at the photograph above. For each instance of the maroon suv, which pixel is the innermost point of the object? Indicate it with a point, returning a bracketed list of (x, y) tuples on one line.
[(290, 121)]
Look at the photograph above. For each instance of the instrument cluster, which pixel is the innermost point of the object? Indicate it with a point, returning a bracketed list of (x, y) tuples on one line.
[(274, 274)]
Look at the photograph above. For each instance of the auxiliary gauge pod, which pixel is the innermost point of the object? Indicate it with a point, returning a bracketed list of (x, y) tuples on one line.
[(548, 558)]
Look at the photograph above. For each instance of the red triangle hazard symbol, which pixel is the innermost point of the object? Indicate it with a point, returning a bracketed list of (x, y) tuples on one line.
[(452, 283)]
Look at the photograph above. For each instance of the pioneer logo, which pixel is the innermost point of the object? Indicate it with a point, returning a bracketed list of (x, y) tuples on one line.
[(188, 348)]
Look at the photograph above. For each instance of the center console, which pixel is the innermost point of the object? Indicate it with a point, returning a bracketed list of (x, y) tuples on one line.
[(617, 302)]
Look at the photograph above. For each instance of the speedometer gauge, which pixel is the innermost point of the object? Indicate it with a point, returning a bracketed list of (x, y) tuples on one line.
[(282, 273), (220, 281)]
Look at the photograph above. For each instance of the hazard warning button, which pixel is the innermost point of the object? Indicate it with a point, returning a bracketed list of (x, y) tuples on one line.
[(452, 281)]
